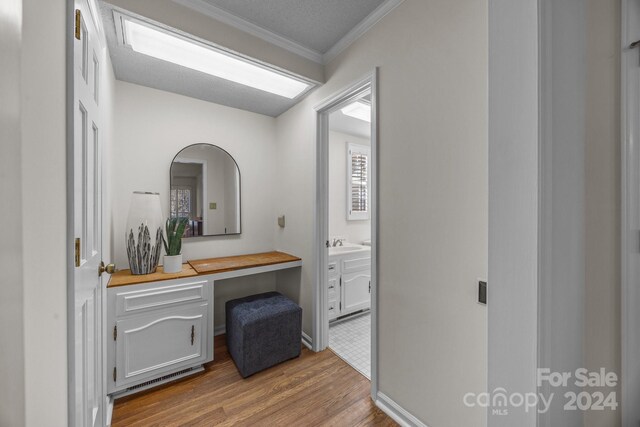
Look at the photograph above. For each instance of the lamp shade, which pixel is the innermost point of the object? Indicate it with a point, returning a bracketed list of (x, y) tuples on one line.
[(143, 235)]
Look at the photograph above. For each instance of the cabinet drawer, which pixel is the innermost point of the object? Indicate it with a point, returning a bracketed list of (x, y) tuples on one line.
[(356, 264), (332, 268), (333, 309), (130, 302), (163, 341)]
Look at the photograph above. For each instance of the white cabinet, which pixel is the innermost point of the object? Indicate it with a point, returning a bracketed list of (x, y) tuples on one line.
[(348, 283), (356, 292), (159, 329)]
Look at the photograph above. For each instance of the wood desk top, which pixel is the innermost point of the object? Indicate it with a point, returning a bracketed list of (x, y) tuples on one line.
[(124, 277), (219, 265), (202, 267)]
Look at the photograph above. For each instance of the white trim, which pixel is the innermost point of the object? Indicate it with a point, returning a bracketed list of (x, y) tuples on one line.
[(358, 31), (397, 412), (307, 341), (109, 409), (320, 317), (630, 165), (248, 27), (219, 330)]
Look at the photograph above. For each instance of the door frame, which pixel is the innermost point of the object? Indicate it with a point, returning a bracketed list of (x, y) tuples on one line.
[(629, 195), (320, 318)]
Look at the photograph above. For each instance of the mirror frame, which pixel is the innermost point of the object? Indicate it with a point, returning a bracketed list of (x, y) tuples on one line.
[(239, 190)]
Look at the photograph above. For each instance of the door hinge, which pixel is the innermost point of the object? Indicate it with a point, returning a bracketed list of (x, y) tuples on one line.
[(340, 305), (77, 252), (327, 244), (340, 281), (78, 23), (115, 374), (193, 333), (369, 286), (115, 332)]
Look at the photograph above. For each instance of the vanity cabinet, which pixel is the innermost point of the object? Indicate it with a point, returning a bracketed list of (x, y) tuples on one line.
[(348, 283), (160, 325), (159, 329)]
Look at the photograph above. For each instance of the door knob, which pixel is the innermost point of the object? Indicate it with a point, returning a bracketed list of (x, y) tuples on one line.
[(109, 269)]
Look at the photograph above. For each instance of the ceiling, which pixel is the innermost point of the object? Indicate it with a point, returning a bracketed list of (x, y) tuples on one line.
[(314, 24), (340, 122)]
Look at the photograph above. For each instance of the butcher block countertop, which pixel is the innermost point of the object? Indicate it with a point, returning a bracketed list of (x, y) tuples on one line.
[(205, 267)]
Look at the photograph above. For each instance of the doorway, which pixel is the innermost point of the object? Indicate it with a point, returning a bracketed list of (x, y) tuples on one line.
[(346, 233)]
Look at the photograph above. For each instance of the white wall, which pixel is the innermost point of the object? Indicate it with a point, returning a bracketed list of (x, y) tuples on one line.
[(602, 197), (433, 237), (354, 231), (12, 403), (151, 127)]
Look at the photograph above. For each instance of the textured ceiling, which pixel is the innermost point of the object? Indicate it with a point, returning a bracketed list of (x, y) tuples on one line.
[(316, 24), (144, 70)]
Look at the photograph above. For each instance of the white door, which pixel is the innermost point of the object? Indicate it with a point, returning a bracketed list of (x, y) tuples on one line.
[(87, 376), (356, 292)]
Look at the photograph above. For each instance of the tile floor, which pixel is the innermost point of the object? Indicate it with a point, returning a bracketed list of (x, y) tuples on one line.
[(351, 340)]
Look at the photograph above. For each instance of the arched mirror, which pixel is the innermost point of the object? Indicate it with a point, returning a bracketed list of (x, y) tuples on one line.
[(205, 187)]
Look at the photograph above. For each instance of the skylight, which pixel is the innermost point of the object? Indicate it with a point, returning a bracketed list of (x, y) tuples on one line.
[(162, 44), (359, 110)]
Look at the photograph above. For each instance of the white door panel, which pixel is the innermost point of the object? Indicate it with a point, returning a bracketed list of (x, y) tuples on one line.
[(356, 292), (163, 341), (87, 333)]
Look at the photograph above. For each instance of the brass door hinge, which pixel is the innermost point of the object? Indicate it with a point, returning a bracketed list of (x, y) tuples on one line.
[(78, 23), (77, 252), (115, 332), (115, 373)]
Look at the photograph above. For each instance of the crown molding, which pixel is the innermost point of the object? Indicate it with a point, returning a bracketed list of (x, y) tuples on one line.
[(356, 32), (234, 21)]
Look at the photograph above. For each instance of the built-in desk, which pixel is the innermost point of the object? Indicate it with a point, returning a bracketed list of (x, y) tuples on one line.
[(161, 325)]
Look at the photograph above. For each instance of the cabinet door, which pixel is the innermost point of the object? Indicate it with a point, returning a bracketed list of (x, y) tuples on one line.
[(163, 341), (356, 292), (333, 294)]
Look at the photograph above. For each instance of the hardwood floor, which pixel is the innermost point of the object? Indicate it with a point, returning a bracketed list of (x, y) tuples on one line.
[(316, 389)]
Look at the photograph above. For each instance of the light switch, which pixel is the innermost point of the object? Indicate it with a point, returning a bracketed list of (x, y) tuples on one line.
[(213, 205), (281, 221)]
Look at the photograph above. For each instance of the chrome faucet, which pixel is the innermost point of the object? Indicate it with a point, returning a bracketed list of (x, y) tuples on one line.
[(337, 241)]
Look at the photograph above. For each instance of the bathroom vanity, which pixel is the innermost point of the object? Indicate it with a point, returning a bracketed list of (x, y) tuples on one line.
[(161, 325), (348, 280)]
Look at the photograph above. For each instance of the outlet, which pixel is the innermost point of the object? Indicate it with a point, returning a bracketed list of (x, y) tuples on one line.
[(482, 292), (213, 206)]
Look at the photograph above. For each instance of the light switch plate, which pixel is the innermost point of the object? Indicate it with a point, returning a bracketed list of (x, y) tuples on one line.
[(213, 206)]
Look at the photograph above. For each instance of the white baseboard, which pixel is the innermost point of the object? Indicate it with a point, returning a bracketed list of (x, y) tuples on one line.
[(397, 412), (109, 409), (219, 330), (307, 341)]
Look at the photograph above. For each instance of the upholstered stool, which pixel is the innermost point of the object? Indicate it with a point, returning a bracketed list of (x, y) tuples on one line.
[(262, 331)]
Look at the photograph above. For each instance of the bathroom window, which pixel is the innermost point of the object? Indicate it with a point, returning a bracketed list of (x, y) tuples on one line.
[(358, 181)]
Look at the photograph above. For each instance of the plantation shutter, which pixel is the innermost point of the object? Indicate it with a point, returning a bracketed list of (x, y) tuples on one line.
[(358, 182)]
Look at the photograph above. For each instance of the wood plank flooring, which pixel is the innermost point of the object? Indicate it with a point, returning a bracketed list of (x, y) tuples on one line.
[(316, 389)]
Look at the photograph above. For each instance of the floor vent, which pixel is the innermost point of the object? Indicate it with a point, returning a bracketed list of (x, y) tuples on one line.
[(157, 380)]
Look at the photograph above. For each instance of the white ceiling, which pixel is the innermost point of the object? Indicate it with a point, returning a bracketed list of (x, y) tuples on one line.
[(315, 24), (319, 28), (340, 122)]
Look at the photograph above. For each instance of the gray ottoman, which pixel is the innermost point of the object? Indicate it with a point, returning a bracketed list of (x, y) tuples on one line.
[(262, 330)]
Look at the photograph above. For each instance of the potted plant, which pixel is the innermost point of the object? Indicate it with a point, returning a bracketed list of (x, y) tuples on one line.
[(173, 244)]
